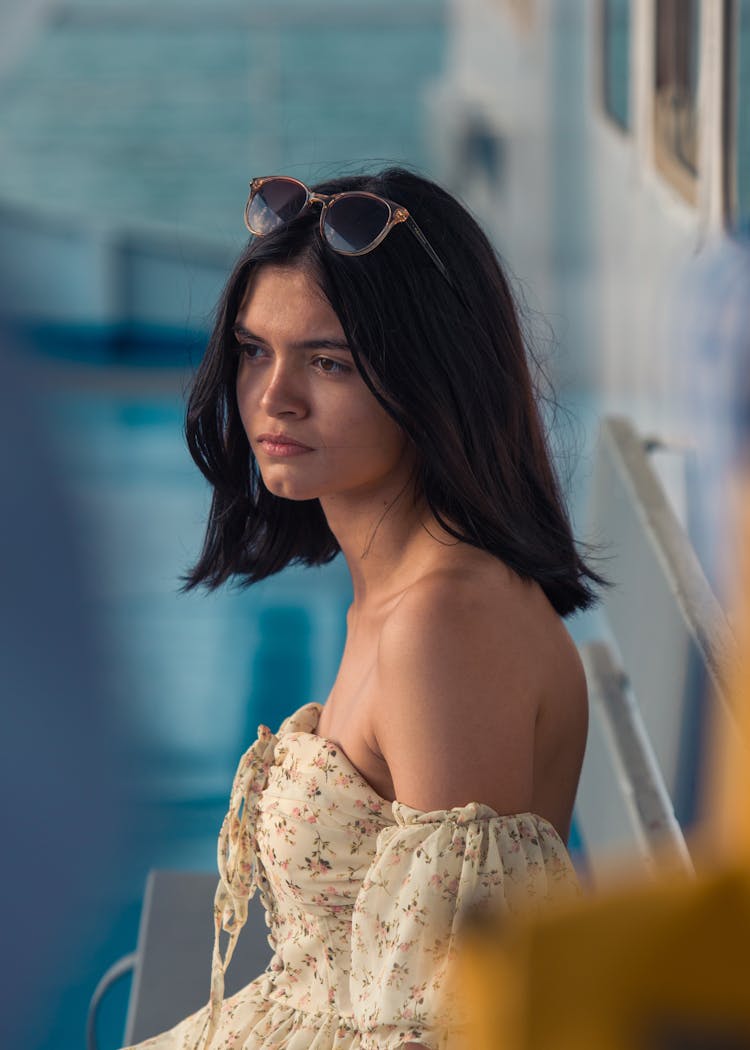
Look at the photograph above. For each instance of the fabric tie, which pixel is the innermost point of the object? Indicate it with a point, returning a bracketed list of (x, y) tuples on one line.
[(237, 866)]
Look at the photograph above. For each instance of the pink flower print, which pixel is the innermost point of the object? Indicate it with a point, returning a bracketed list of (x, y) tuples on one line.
[(417, 992), (381, 928), (398, 971), (317, 865)]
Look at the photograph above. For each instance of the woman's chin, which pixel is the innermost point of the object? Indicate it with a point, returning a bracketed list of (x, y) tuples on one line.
[(289, 490)]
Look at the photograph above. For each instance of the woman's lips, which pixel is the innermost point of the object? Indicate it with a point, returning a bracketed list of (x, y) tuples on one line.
[(282, 448)]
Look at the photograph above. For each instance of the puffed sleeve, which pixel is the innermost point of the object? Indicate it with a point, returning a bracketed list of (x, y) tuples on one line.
[(429, 870)]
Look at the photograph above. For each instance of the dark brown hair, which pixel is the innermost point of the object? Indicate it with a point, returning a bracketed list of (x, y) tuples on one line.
[(450, 367)]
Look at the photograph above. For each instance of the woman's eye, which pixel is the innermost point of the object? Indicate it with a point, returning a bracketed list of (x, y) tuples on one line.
[(331, 367), (249, 350)]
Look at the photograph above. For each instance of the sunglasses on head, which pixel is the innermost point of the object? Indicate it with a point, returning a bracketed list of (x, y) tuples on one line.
[(351, 223)]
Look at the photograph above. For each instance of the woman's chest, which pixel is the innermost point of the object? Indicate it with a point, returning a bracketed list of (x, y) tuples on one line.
[(348, 715)]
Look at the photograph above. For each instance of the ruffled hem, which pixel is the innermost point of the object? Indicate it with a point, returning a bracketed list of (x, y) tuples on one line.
[(250, 1020)]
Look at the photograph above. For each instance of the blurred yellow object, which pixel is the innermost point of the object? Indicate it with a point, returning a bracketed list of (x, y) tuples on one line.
[(658, 967)]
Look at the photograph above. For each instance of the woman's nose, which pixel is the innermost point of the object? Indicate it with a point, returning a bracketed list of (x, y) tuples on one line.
[(282, 391)]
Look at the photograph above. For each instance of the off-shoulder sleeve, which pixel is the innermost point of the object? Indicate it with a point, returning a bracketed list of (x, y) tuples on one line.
[(429, 870)]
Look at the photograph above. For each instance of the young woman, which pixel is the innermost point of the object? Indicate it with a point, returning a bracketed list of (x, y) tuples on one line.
[(366, 390)]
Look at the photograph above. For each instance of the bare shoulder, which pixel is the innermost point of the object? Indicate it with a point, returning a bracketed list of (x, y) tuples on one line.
[(462, 672)]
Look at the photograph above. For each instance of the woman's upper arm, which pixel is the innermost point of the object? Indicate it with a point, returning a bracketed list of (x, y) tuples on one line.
[(457, 701)]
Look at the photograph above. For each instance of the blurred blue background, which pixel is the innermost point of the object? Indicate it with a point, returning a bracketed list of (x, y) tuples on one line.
[(128, 134)]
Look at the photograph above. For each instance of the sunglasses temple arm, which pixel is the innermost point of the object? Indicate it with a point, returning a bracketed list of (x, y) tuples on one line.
[(433, 255)]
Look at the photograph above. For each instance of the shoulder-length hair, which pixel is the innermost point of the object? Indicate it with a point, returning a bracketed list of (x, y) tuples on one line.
[(449, 364)]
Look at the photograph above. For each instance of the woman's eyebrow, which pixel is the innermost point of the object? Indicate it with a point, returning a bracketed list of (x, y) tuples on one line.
[(322, 344), (318, 343)]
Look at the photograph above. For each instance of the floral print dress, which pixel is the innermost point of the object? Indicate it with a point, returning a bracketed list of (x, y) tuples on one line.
[(363, 900)]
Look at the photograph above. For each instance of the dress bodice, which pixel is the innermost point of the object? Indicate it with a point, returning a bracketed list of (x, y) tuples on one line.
[(317, 826)]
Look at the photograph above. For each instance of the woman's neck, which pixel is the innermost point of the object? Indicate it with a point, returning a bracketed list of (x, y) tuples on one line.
[(388, 543)]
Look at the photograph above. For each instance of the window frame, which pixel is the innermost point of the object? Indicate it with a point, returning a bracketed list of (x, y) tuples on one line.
[(730, 119), (667, 161)]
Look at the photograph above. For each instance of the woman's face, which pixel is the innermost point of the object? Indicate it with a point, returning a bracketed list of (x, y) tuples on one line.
[(297, 378)]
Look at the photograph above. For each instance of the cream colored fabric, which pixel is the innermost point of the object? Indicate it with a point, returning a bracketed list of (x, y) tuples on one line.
[(363, 900)]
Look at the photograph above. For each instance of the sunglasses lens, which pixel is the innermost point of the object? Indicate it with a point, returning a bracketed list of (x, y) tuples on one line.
[(276, 202), (354, 221)]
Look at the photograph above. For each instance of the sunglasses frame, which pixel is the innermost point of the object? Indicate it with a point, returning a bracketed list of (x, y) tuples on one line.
[(397, 213)]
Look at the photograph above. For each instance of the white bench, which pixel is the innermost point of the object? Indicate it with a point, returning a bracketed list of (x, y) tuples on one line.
[(172, 962)]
